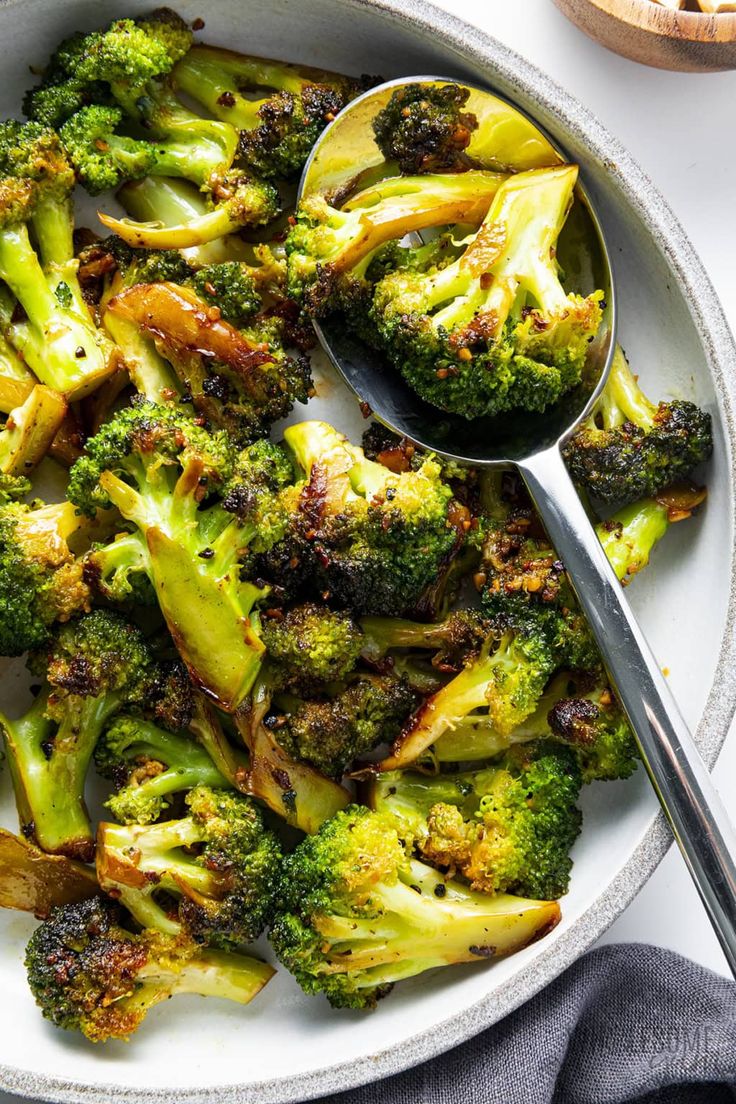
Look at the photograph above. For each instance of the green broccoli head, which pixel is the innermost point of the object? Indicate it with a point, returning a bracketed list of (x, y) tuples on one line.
[(508, 827), (374, 539), (231, 287), (424, 127), (311, 643), (41, 582), (495, 330), (89, 973), (356, 914), (631, 448), (220, 863), (595, 727), (102, 158), (331, 732)]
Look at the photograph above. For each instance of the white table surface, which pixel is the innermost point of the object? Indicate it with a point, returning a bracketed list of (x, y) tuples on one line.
[(680, 128)]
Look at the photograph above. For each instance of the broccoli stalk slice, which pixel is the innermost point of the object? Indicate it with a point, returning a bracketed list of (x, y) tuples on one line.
[(16, 381), (211, 973), (48, 765), (63, 349), (295, 791), (209, 612), (29, 431), (629, 537), (175, 203), (622, 399), (132, 741), (232, 765), (226, 218), (35, 882)]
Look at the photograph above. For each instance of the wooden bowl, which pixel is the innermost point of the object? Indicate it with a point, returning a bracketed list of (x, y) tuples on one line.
[(645, 31)]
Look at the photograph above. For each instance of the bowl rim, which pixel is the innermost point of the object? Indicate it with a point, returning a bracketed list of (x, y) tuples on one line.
[(687, 26), (515, 73)]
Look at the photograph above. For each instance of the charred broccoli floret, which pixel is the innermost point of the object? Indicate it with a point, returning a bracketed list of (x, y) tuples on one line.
[(373, 539), (356, 914), (495, 330), (508, 827), (41, 582), (89, 973), (311, 643), (631, 448), (329, 250), (94, 667), (166, 475), (54, 332), (332, 731), (424, 127), (219, 863), (282, 113), (149, 766)]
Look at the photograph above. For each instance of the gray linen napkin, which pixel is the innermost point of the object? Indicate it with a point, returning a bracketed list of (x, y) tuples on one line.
[(625, 1023)]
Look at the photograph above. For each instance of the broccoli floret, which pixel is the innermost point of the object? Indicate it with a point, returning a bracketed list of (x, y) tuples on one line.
[(331, 732), (149, 766), (495, 330), (89, 973), (119, 571), (163, 472), (508, 827), (55, 334), (239, 380), (29, 430), (41, 582), (373, 539), (94, 667), (595, 727), (631, 448), (220, 864), (236, 201), (425, 129), (329, 251), (281, 119), (356, 914), (578, 709), (231, 287), (103, 158), (311, 643)]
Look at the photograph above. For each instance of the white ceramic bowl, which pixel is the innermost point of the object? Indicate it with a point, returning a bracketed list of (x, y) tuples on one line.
[(286, 1046)]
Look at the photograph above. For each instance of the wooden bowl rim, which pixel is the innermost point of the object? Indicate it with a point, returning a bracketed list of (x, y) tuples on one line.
[(653, 17)]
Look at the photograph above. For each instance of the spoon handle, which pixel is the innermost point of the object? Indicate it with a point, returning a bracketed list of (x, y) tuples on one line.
[(680, 778)]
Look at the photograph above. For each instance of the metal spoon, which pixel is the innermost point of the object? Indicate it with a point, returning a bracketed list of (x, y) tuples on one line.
[(346, 157)]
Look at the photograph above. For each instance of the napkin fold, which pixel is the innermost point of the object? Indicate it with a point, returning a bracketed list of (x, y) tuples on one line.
[(625, 1023)]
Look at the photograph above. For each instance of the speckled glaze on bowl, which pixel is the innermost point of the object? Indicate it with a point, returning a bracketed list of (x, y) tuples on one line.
[(287, 1047)]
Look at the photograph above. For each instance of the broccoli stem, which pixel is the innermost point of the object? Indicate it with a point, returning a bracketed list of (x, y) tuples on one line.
[(48, 766), (173, 203), (234, 977), (29, 431), (61, 348), (222, 220), (622, 399), (421, 929), (629, 537)]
